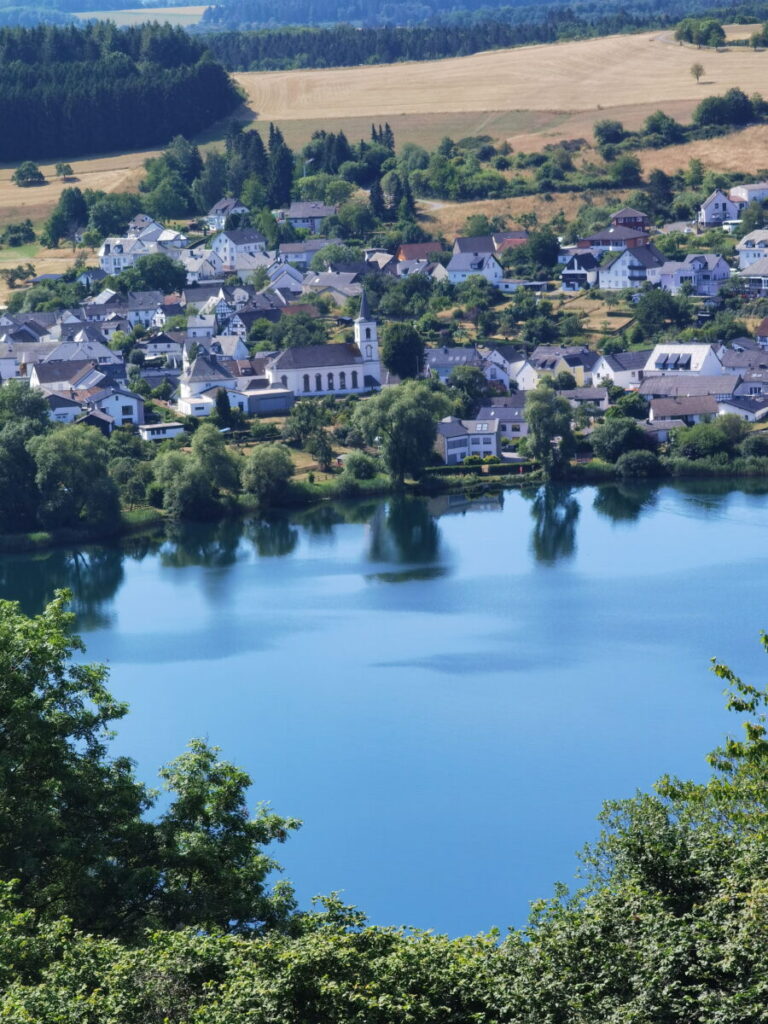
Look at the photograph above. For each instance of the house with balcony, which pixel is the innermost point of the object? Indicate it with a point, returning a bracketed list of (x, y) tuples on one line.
[(629, 268), (703, 273), (752, 247)]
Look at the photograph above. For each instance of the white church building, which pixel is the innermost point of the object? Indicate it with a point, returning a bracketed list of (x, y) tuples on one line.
[(352, 368)]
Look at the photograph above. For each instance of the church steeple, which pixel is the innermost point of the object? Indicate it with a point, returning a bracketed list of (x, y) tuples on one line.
[(366, 333)]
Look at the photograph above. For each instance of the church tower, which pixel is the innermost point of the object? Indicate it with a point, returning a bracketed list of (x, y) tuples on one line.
[(366, 336)]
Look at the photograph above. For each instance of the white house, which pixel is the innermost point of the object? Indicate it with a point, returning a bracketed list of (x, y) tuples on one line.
[(456, 439), (332, 369), (230, 244), (624, 369), (704, 273), (719, 207), (216, 218), (307, 216), (160, 431), (676, 359), (630, 268), (752, 247), (474, 264)]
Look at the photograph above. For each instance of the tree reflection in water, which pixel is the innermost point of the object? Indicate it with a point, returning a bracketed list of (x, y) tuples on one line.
[(403, 532), (625, 502), (555, 511)]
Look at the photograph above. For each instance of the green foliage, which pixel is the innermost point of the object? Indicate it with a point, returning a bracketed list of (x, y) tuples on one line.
[(402, 421), (402, 349), (26, 174), (155, 272), (721, 436), (470, 387), (550, 438), (638, 465), (266, 472), (617, 435)]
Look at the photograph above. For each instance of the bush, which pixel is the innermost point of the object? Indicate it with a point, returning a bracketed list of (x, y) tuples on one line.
[(638, 465), (360, 466)]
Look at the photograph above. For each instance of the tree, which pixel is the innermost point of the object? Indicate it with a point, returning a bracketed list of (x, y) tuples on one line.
[(402, 349), (71, 474), (306, 418), (223, 407), (550, 438), (70, 817), (319, 445), (564, 381), (266, 472), (697, 70), (608, 132), (155, 272), (28, 173), (618, 435), (215, 461), (63, 170), (472, 389), (214, 867), (402, 420)]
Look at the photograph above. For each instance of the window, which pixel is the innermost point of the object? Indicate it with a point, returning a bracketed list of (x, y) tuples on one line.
[(126, 410), (284, 381), (369, 351), (367, 333), (330, 382), (306, 382), (354, 378), (318, 382), (342, 381)]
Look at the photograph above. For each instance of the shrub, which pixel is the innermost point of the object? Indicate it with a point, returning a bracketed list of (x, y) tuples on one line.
[(638, 464), (360, 466)]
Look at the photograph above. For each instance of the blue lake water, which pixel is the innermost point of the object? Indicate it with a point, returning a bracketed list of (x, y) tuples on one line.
[(444, 691)]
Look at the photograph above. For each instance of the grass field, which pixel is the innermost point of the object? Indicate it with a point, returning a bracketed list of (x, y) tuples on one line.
[(173, 15), (558, 89)]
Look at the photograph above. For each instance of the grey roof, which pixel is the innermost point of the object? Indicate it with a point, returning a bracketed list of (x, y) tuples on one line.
[(308, 356), (310, 245), (478, 243), (689, 405), (616, 233), (456, 355), (628, 360), (365, 312), (502, 413), (244, 236), (627, 211), (689, 386), (205, 368), (451, 427), (304, 210), (754, 359), (70, 370), (749, 403), (225, 206), (466, 261)]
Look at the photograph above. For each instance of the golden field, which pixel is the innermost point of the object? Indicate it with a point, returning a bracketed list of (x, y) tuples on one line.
[(623, 76), (173, 15)]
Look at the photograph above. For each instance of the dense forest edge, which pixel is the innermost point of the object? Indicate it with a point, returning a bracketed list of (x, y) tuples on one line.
[(112, 909), (98, 88)]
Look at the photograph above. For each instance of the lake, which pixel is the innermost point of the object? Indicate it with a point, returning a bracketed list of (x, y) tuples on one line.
[(444, 691)]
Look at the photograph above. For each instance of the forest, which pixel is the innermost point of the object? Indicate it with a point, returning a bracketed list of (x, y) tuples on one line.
[(71, 91)]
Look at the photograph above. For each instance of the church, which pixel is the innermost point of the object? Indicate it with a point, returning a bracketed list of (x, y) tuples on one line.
[(348, 369)]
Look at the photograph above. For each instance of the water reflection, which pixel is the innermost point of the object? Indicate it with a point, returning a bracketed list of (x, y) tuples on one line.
[(273, 537), (625, 502), (555, 510), (202, 544), (403, 532), (92, 574)]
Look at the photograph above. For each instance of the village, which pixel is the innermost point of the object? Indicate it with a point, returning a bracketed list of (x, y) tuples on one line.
[(196, 345)]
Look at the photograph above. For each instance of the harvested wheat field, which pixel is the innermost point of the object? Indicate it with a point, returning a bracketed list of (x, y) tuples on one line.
[(172, 15), (746, 151), (119, 173), (597, 77)]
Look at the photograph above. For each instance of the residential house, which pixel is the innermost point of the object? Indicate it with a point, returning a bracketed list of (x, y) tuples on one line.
[(614, 238), (494, 243), (198, 385), (62, 408), (754, 279), (160, 431), (703, 273), (740, 362), (582, 270), (338, 287), (586, 396), (216, 218), (472, 264), (228, 245), (623, 369), (510, 416), (125, 408), (630, 268), (690, 410), (306, 216), (718, 207), (445, 359), (456, 439), (549, 360), (201, 265), (761, 333), (695, 358), (72, 375), (751, 409), (512, 362), (301, 254), (752, 247), (721, 388), (417, 251), (633, 219)]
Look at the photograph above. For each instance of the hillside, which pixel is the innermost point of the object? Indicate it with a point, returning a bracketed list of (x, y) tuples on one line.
[(564, 86)]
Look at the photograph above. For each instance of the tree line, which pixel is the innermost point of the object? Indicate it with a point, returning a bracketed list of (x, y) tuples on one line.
[(82, 90)]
